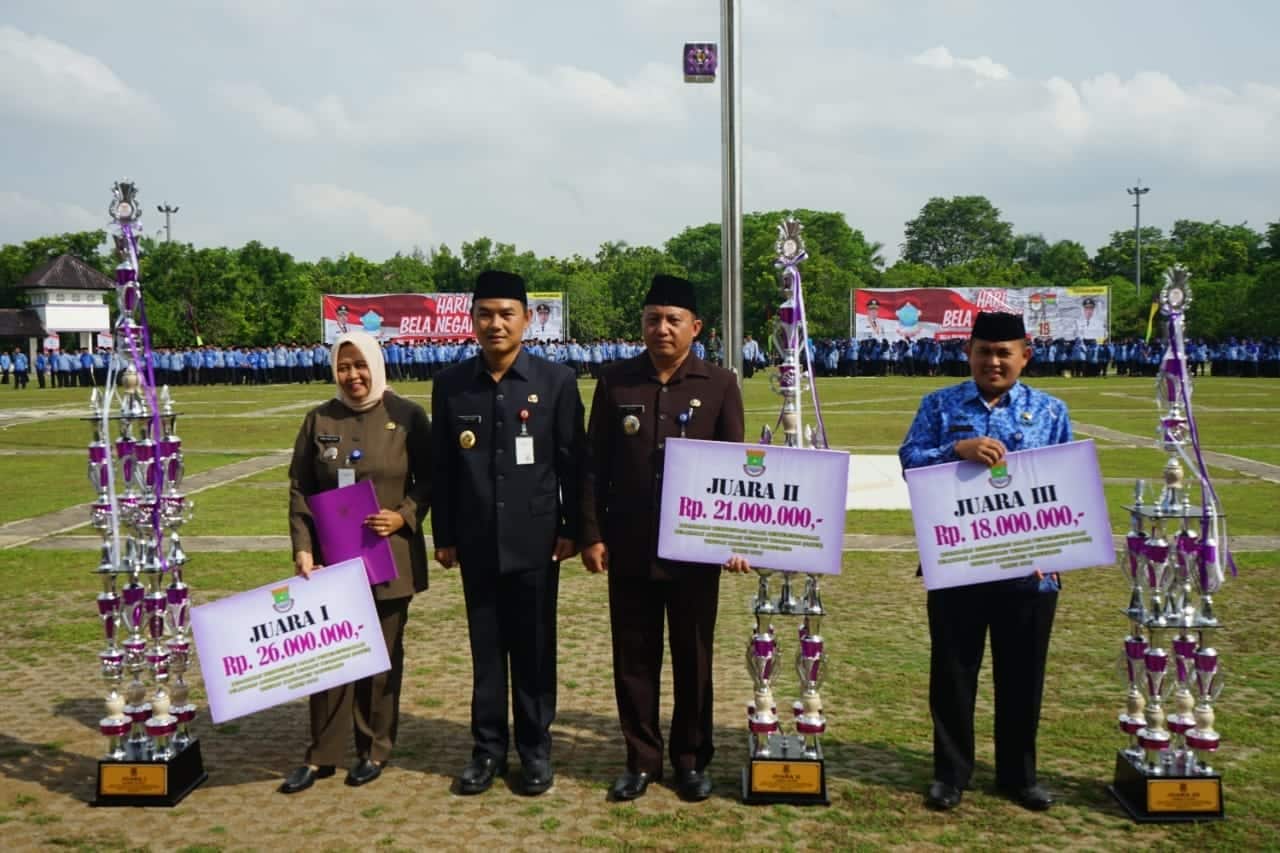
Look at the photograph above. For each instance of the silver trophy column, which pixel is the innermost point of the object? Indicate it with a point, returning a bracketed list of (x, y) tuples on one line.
[(151, 758), (788, 767), (1173, 567)]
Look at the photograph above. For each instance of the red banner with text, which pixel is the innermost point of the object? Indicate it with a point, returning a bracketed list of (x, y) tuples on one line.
[(945, 313)]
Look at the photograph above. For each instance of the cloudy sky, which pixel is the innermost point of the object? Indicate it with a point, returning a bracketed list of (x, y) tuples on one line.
[(371, 126)]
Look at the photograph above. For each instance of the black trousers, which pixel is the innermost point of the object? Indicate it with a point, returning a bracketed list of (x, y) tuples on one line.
[(511, 620), (1020, 619), (636, 610), (369, 708)]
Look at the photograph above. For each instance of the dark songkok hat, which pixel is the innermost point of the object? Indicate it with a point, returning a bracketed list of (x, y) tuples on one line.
[(1089, 302), (999, 326), (671, 290), (873, 303), (495, 284)]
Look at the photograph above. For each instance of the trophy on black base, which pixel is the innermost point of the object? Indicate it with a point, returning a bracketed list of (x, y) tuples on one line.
[(151, 758), (788, 767), (1173, 571)]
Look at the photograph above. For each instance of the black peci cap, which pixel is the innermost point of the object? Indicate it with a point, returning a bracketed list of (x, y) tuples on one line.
[(671, 290), (495, 284), (999, 326)]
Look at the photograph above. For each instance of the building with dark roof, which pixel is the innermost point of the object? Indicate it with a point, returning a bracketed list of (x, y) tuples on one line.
[(65, 295)]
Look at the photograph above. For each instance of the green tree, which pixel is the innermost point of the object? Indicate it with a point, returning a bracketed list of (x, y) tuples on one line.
[(1029, 251), (697, 251), (909, 274), (408, 273), (1213, 250), (446, 270), (629, 270), (281, 293), (1271, 251), (591, 312), (984, 272), (1117, 258), (1065, 262), (956, 231)]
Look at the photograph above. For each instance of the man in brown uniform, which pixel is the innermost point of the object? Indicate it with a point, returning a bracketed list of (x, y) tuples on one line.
[(664, 392)]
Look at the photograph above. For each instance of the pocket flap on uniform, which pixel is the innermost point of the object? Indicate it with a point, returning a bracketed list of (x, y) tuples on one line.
[(543, 504)]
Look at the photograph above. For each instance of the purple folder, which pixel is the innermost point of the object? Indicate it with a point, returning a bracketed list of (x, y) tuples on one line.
[(339, 516)]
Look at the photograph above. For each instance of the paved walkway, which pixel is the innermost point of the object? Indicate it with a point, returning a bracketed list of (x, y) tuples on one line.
[(1261, 470), (29, 530)]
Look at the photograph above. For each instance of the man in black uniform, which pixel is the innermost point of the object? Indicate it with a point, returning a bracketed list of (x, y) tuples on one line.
[(506, 452), (664, 392)]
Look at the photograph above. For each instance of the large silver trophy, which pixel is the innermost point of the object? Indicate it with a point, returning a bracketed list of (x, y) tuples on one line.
[(151, 757), (788, 767), (1173, 565)]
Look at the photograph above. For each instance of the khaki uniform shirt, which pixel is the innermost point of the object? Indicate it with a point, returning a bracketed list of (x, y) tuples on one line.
[(394, 440)]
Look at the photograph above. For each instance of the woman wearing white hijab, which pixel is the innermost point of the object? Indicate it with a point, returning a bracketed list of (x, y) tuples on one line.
[(366, 432)]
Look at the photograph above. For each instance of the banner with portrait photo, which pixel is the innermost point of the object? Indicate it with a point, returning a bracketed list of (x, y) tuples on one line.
[(427, 316), (944, 313), (547, 323)]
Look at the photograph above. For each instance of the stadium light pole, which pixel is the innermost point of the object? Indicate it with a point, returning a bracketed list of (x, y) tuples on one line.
[(1137, 192), (168, 211), (731, 187)]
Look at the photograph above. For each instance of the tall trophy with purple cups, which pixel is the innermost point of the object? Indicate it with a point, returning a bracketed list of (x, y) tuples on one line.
[(151, 757), (788, 766), (1174, 565)]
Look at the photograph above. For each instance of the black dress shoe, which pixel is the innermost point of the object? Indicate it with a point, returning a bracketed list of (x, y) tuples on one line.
[(942, 796), (1034, 798), (304, 777), (363, 773), (693, 785), (477, 777), (538, 777), (631, 785)]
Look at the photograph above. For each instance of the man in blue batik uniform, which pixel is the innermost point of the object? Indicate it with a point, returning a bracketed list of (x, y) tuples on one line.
[(979, 421)]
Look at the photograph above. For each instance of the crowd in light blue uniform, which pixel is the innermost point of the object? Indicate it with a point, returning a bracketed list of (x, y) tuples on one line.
[(1061, 357), (422, 359)]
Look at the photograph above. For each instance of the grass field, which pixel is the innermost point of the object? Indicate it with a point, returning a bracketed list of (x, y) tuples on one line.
[(879, 741)]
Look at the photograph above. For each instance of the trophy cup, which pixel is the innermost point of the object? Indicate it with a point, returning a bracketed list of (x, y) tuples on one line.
[(1210, 572), (1133, 720), (762, 713), (1155, 552), (811, 667), (1135, 541), (151, 757), (1160, 776), (1202, 737), (788, 767), (1182, 720), (1154, 736)]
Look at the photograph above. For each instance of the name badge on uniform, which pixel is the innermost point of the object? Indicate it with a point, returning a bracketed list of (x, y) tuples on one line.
[(328, 439), (346, 477), (524, 450)]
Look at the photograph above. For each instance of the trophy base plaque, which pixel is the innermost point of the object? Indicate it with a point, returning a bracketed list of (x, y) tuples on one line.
[(140, 782), (1171, 798), (786, 775)]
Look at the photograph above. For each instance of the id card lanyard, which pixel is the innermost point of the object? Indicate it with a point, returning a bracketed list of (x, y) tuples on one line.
[(347, 473), (524, 441)]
